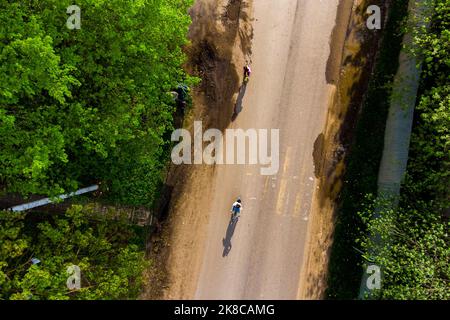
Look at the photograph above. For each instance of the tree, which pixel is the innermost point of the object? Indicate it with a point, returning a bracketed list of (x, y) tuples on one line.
[(429, 168), (413, 254), (88, 105), (105, 249)]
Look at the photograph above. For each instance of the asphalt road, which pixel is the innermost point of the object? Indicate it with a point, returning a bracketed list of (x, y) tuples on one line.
[(261, 256)]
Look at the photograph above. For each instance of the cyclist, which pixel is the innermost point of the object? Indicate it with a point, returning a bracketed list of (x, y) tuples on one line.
[(247, 73), (236, 208)]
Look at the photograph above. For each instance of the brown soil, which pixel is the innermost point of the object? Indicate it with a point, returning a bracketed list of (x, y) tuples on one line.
[(221, 35)]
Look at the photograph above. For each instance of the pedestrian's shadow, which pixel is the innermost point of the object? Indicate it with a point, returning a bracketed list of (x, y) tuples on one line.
[(227, 240), (238, 106)]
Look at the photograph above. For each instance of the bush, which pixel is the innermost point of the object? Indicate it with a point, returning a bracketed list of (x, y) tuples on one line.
[(104, 248)]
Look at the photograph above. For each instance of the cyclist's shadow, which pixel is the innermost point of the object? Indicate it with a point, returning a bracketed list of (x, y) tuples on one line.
[(227, 240), (238, 106)]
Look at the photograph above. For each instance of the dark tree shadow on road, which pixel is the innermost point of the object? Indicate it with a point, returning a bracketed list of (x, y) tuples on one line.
[(227, 240)]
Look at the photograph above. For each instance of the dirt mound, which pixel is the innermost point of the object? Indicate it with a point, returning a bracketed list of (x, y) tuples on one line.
[(221, 34)]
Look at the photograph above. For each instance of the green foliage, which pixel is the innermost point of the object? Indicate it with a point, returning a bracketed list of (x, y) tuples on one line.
[(411, 249), (413, 252), (105, 249), (88, 105), (429, 167)]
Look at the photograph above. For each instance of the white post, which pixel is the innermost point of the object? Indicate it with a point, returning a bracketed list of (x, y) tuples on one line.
[(45, 201)]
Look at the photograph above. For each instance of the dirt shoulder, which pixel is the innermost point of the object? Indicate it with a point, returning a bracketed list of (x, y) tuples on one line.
[(353, 50), (220, 34)]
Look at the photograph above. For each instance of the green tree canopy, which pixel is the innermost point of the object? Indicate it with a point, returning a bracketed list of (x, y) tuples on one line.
[(414, 252), (88, 105), (106, 250), (429, 165)]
